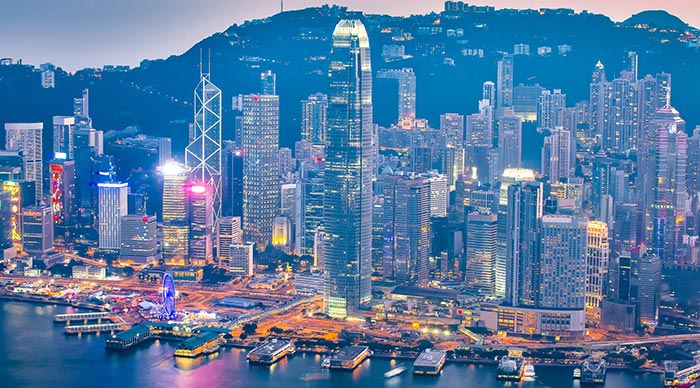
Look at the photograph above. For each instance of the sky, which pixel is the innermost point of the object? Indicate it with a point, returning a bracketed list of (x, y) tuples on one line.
[(74, 34)]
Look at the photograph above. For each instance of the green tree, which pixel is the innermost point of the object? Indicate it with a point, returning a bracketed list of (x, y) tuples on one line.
[(250, 328)]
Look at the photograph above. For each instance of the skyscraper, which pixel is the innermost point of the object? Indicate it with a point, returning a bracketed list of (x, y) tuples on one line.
[(176, 228), (228, 231), (347, 205), (556, 161), (200, 215), (597, 262), (313, 118), (268, 83), (63, 135), (113, 205), (406, 234), (504, 89), (649, 288), (26, 137), (139, 242), (481, 253), (261, 189), (562, 269), (37, 230), (62, 194), (203, 154), (509, 142), (407, 90), (310, 206)]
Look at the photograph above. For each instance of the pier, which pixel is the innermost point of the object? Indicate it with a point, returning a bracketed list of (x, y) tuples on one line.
[(349, 358), (271, 352), (138, 334), (429, 362), (94, 328), (199, 345), (85, 317)]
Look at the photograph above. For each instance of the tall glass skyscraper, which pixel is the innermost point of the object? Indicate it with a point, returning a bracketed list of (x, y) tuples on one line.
[(347, 205)]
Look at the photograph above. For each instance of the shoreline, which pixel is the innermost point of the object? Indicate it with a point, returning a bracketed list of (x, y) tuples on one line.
[(238, 345)]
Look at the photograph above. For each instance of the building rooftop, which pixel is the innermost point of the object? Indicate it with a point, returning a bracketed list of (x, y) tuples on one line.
[(349, 353), (430, 357), (271, 347), (428, 293), (197, 341), (134, 331)]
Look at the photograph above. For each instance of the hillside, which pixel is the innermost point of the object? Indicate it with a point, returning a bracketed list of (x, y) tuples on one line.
[(157, 96)]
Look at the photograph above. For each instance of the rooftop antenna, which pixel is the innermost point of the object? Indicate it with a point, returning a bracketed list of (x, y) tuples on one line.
[(281, 6), (209, 62), (200, 62)]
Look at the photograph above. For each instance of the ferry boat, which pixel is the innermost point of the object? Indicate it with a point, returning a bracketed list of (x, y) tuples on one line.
[(529, 371), (577, 373), (685, 382), (593, 371), (395, 371), (311, 377), (510, 368), (326, 363)]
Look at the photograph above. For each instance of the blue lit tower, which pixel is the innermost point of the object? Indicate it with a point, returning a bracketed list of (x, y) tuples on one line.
[(203, 154), (347, 205)]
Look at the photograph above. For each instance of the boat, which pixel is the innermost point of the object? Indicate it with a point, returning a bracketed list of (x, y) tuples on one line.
[(529, 371), (311, 377), (510, 368), (395, 371), (577, 373), (593, 371), (326, 363), (685, 382)]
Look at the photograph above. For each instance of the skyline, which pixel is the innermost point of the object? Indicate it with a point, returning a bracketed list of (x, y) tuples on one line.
[(156, 31)]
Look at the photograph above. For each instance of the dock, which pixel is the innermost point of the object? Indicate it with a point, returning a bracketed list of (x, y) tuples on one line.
[(349, 357), (85, 317), (429, 362), (94, 328), (202, 344), (127, 339), (271, 352)]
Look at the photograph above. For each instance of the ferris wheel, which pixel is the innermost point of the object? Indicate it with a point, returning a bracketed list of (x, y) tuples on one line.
[(168, 296)]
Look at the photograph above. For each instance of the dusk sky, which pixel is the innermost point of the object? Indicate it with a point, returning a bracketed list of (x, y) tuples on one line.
[(90, 33)]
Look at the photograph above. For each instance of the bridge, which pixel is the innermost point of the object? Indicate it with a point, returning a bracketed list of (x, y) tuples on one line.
[(81, 317), (95, 328), (673, 374)]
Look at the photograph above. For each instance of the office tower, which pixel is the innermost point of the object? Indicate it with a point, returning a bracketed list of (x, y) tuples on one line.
[(562, 267), (649, 288), (625, 232), (347, 203), (555, 155), (289, 196), (63, 135), (228, 231), (139, 243), (509, 142), (452, 127), (598, 97), (488, 92), (439, 194), (451, 164), (549, 107), (201, 217), (478, 130), (240, 259), (313, 119), (620, 125), (87, 147), (481, 253), (519, 240), (37, 230), (597, 264), (113, 205), (62, 195), (406, 229), (268, 83), (176, 228), (310, 206), (504, 89), (203, 154), (525, 101), (5, 220), (232, 181), (286, 162), (26, 137), (81, 110), (693, 168), (261, 190), (669, 206), (137, 153), (406, 79)]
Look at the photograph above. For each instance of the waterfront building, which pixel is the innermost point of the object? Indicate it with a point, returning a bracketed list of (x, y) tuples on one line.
[(481, 253), (113, 205), (349, 172), (139, 242), (649, 288), (597, 262)]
